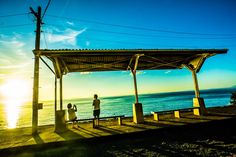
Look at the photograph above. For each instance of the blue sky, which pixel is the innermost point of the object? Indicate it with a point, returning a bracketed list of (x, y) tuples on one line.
[(112, 24)]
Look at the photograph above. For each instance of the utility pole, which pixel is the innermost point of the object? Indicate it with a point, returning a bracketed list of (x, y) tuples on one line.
[(36, 71)]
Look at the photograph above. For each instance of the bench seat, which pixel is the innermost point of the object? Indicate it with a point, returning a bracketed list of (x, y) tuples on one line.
[(119, 118), (176, 112)]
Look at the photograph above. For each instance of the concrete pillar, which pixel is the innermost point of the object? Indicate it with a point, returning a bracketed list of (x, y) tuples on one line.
[(138, 113), (201, 110), (119, 121), (197, 101), (137, 107), (177, 114), (156, 116), (60, 125)]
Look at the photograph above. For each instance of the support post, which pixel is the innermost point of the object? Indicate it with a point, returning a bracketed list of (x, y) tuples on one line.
[(197, 101), (60, 125), (135, 86), (36, 72), (55, 108), (61, 96), (156, 116), (137, 107), (119, 121), (197, 93), (177, 114), (35, 96)]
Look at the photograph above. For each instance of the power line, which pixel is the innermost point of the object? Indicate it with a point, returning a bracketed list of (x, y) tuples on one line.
[(114, 41), (46, 44), (145, 44), (140, 28), (126, 42), (160, 36), (10, 15), (19, 25), (46, 9), (119, 41), (152, 36)]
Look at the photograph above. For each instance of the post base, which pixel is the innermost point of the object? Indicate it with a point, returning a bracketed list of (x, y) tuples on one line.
[(199, 102), (138, 113), (60, 125)]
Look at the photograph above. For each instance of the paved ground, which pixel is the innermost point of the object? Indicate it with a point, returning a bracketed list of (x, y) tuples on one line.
[(165, 137)]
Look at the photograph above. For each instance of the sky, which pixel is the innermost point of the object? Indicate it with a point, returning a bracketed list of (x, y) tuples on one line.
[(113, 24)]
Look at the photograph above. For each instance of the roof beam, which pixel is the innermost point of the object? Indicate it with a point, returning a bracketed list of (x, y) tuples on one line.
[(197, 63), (66, 70), (57, 67), (47, 65), (136, 57), (67, 60)]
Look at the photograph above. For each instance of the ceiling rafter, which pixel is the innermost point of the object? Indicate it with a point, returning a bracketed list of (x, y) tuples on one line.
[(83, 60)]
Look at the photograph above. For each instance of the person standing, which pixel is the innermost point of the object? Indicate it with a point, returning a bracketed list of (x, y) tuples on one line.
[(71, 112), (96, 110)]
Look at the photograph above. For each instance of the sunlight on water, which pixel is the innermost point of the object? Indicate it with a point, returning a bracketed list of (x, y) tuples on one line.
[(12, 111), (18, 112), (14, 92)]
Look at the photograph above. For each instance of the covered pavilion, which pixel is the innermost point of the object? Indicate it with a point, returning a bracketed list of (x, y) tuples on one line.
[(92, 60)]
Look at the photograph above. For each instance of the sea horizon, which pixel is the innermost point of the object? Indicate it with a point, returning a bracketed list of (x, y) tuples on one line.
[(179, 91), (19, 115)]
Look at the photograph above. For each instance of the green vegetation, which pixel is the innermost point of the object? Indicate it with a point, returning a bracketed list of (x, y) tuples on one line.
[(233, 98)]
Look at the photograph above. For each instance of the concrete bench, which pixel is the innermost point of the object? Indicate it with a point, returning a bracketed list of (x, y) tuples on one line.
[(80, 120), (119, 118), (176, 112)]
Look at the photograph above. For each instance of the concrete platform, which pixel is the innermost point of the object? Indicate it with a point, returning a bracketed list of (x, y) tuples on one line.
[(21, 137)]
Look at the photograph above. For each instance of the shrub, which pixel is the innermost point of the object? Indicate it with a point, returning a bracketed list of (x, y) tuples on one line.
[(233, 98)]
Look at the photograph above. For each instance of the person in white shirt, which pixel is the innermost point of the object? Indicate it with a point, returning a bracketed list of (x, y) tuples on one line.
[(96, 109), (71, 112)]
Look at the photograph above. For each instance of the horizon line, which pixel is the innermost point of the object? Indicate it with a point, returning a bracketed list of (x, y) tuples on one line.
[(234, 86)]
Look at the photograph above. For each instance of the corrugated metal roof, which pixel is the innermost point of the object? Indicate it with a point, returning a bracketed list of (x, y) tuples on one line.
[(88, 60)]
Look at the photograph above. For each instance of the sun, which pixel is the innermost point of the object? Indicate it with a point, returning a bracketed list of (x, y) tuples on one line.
[(15, 89)]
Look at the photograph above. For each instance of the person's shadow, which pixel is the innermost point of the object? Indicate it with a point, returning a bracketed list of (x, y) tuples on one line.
[(69, 135)]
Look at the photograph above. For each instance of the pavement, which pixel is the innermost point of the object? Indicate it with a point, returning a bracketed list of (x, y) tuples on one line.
[(11, 139)]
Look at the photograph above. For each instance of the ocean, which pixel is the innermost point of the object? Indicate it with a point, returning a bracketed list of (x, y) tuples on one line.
[(15, 114)]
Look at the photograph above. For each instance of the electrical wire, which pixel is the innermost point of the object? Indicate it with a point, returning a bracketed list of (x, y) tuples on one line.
[(145, 35), (45, 41), (140, 28), (46, 9), (130, 43), (19, 25), (10, 15), (138, 43)]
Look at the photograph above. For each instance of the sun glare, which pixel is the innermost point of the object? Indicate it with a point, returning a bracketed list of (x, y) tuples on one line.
[(12, 110), (15, 92), (15, 89)]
